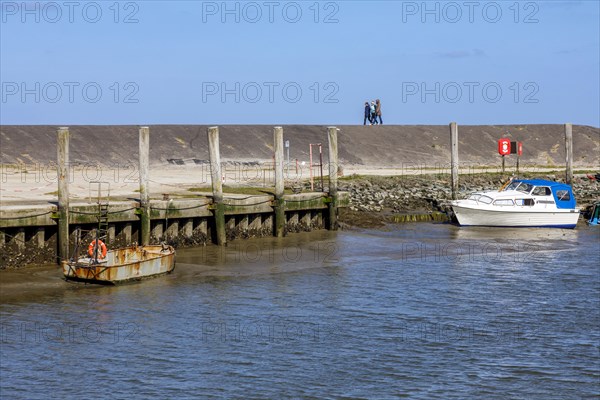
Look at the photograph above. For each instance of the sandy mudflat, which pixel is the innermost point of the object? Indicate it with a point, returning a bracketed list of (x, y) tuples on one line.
[(31, 282)]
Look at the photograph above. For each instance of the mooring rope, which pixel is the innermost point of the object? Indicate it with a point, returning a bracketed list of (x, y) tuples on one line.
[(28, 216)]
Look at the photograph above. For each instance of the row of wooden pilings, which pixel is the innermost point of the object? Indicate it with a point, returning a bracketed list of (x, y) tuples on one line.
[(218, 205), (454, 156)]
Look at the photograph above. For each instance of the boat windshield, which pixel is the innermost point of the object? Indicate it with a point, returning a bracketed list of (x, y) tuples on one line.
[(524, 187), (474, 196), (520, 186), (512, 186)]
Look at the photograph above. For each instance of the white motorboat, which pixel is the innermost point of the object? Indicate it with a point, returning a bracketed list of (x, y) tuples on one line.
[(521, 203)]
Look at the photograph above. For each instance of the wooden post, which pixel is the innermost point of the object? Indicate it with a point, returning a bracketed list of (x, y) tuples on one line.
[(172, 230), (454, 158), (63, 193), (254, 223), (158, 231), (203, 227), (188, 228), (333, 173), (127, 233), (19, 239), (244, 222), (40, 237), (305, 220), (569, 152), (279, 187), (144, 144), (110, 234), (217, 184)]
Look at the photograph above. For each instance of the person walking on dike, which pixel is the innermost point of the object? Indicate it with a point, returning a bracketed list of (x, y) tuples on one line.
[(378, 112), (367, 114), (373, 115)]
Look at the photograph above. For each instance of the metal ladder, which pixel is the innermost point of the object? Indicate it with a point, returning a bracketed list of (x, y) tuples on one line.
[(102, 192)]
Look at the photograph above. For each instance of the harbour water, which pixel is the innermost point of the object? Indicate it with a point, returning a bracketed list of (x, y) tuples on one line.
[(417, 311)]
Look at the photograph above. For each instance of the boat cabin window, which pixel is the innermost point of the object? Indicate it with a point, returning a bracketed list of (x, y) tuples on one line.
[(504, 202), (486, 199), (563, 195), (524, 202), (474, 196), (541, 191), (520, 186)]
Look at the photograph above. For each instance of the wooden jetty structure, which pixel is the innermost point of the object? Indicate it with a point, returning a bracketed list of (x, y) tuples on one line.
[(198, 220)]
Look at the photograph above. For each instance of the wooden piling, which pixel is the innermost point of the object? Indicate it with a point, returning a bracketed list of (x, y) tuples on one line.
[(188, 228), (144, 149), (19, 239), (158, 231), (203, 227), (569, 153), (454, 158), (127, 233), (39, 237), (172, 230), (279, 186), (111, 234), (217, 185), (333, 174), (63, 193)]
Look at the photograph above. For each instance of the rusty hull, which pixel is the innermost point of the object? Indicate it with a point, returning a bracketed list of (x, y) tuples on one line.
[(120, 265)]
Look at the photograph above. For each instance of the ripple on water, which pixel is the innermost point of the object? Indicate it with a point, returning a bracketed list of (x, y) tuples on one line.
[(421, 311)]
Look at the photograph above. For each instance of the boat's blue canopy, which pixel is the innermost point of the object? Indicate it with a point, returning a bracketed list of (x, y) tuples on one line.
[(563, 194)]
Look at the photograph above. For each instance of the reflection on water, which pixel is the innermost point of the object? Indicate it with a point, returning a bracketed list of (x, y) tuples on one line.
[(520, 234), (420, 310)]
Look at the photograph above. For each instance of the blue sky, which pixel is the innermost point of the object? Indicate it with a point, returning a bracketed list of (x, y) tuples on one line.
[(306, 62)]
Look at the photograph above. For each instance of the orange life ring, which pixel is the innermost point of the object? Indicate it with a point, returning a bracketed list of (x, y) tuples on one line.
[(103, 249)]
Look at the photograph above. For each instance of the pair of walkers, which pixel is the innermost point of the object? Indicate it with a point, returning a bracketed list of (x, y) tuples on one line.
[(372, 112)]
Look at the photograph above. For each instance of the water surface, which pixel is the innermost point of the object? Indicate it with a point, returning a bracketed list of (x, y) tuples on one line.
[(418, 311)]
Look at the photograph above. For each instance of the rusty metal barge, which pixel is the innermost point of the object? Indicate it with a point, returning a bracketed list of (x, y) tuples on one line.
[(121, 265)]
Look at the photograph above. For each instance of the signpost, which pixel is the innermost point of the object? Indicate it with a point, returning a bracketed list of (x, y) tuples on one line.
[(503, 149), (506, 147)]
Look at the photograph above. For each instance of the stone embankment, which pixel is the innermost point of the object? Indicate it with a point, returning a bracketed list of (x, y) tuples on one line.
[(375, 201)]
